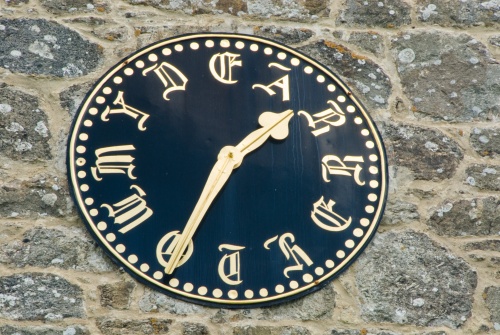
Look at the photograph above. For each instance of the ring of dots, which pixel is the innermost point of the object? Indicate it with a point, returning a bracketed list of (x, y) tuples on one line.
[(233, 294), (139, 64), (81, 149), (202, 290), (152, 57)]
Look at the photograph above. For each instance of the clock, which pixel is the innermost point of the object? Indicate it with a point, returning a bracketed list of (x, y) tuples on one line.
[(227, 170)]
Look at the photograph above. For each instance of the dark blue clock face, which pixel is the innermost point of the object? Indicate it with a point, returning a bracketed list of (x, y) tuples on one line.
[(151, 182)]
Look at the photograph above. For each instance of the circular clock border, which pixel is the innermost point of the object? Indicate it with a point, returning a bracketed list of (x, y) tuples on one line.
[(193, 298)]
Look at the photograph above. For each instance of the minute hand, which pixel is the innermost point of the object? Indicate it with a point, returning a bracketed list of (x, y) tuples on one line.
[(229, 158)]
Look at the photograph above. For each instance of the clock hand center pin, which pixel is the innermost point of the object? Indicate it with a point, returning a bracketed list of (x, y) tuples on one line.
[(274, 125)]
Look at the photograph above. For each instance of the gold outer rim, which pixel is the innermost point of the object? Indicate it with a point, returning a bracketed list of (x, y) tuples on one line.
[(326, 71)]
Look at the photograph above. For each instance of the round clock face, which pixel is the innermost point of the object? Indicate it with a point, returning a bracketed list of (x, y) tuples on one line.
[(227, 169)]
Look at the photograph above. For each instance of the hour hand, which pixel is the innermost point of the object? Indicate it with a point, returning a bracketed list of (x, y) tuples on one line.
[(273, 124)]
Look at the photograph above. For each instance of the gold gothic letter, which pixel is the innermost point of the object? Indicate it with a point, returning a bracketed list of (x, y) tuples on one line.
[(329, 116), (132, 210), (107, 162), (231, 277), (223, 71), (125, 109), (171, 77), (334, 222), (295, 252), (161, 251), (341, 169), (282, 83)]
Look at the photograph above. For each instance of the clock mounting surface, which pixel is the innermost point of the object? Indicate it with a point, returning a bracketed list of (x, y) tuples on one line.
[(227, 170)]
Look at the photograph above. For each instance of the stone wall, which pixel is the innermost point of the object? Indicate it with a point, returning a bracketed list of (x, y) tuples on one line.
[(427, 70)]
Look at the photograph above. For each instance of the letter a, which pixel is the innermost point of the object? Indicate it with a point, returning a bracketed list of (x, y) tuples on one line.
[(282, 83)]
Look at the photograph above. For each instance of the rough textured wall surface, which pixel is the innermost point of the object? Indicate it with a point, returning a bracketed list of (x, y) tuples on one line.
[(429, 72)]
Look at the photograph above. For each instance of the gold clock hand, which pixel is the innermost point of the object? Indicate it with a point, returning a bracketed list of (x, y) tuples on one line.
[(273, 124), (229, 158)]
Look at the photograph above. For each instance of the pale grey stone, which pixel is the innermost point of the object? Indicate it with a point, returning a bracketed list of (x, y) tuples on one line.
[(62, 248), (447, 77), (43, 330), (121, 326), (75, 6), (484, 176), (35, 197), (16, 2), (23, 126), (315, 306), (398, 211), (365, 77), (148, 34), (286, 35), (318, 305), (46, 48), (428, 153), (399, 268), (365, 331), (237, 7), (153, 301), (486, 141), (116, 295), (475, 217), (113, 34), (270, 330), (280, 9), (370, 41), (72, 97), (190, 328), (370, 331), (459, 13), (485, 245), (495, 40), (91, 21), (289, 10), (39, 296), (384, 14), (362, 331), (492, 299)]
